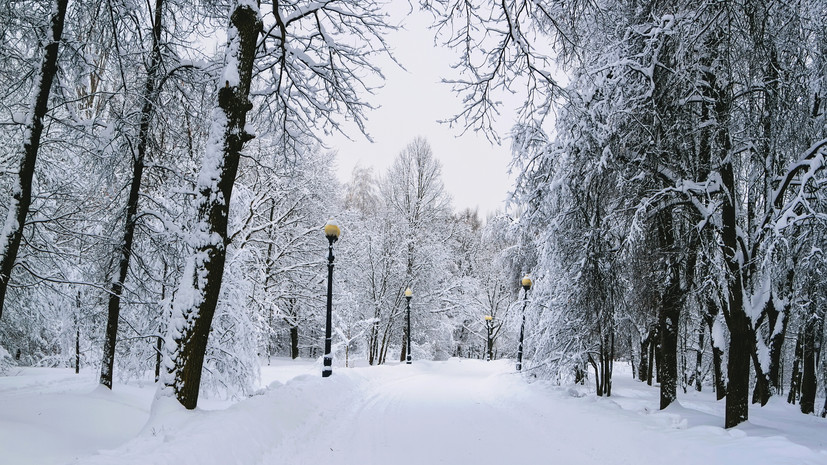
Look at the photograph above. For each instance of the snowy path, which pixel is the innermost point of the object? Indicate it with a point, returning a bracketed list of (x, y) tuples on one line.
[(469, 412), (454, 412), (422, 417)]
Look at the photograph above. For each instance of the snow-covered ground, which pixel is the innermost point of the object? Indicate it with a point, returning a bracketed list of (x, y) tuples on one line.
[(454, 412)]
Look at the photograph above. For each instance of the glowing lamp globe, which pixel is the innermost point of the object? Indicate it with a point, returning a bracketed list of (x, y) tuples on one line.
[(331, 231)]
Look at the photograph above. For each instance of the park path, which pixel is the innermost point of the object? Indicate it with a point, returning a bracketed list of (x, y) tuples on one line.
[(462, 412), (452, 412)]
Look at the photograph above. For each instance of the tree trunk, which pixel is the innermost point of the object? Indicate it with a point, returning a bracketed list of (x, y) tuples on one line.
[(795, 378), (741, 334), (699, 356), (159, 343), (668, 370), (125, 250), (373, 342), (643, 367), (598, 385), (383, 348), (808, 372), (669, 315), (404, 352), (77, 343), (632, 356), (778, 332), (294, 342), (711, 317), (21, 193), (608, 365), (159, 347), (652, 359), (767, 384), (197, 297)]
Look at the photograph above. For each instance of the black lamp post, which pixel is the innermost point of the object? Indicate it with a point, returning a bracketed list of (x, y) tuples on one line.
[(408, 295), (331, 231), (526, 283), (489, 325)]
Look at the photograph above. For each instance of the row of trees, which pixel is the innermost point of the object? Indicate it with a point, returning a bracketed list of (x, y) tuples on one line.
[(149, 230), (669, 200), (678, 188)]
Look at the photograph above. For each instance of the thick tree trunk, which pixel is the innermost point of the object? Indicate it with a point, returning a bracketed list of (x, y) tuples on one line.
[(761, 391), (668, 370), (294, 342), (741, 333), (668, 315), (125, 250), (768, 384), (643, 366), (21, 194), (741, 339), (197, 297)]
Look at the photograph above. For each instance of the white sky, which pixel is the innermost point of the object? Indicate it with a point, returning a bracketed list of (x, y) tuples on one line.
[(412, 102)]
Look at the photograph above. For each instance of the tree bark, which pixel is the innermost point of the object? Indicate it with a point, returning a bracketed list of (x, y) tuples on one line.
[(598, 385), (669, 315), (699, 356), (294, 342), (740, 347), (125, 250), (776, 345), (795, 378), (197, 297), (652, 359), (808, 372), (711, 316), (643, 367), (608, 364), (21, 195)]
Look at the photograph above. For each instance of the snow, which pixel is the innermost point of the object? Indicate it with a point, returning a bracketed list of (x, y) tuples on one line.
[(453, 412)]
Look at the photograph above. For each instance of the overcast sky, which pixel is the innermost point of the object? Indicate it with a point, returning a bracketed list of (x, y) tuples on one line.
[(412, 102)]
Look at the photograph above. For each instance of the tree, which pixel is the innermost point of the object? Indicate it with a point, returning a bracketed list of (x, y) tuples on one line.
[(197, 296), (148, 97), (21, 191), (417, 200), (670, 109), (310, 70)]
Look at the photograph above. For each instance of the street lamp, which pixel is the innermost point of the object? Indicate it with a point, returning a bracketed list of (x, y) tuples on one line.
[(331, 231), (408, 295), (526, 283), (489, 325)]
